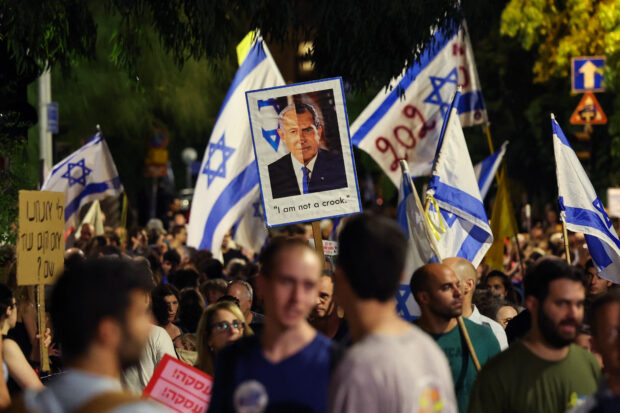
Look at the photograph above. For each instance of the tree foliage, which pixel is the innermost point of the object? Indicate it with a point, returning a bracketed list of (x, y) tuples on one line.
[(182, 102), (557, 31), (365, 41)]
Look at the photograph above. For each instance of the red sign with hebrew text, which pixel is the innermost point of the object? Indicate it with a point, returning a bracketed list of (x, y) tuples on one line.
[(179, 387)]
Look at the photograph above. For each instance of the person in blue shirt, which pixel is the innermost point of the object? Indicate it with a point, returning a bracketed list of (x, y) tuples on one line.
[(287, 367)]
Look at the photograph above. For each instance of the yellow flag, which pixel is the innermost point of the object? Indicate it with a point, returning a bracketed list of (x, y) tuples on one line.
[(503, 224), (244, 46)]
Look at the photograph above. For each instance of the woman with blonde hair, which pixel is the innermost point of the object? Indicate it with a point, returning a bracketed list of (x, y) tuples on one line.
[(220, 324)]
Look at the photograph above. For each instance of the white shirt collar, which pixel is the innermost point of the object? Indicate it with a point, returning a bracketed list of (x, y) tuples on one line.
[(475, 315)]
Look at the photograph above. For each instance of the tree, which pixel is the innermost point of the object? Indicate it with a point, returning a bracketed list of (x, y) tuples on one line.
[(183, 102), (365, 41), (555, 32)]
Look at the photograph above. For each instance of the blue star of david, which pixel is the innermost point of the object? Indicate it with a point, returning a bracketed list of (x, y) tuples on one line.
[(79, 179), (402, 295), (598, 205), (220, 171), (256, 206), (449, 217), (435, 96)]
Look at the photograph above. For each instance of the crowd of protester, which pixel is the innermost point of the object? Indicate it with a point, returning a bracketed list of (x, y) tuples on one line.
[(316, 336)]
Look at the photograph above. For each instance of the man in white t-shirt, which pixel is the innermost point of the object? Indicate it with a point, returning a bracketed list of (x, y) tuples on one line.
[(392, 366), (136, 377), (468, 276)]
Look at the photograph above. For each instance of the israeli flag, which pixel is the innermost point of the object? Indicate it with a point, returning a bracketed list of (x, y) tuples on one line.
[(228, 181), (485, 171), (86, 175), (410, 217), (394, 127), (582, 210), (251, 232), (461, 226)]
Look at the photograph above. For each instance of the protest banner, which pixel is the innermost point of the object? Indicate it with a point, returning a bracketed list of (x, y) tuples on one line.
[(330, 248), (179, 387), (303, 152), (40, 248), (40, 241)]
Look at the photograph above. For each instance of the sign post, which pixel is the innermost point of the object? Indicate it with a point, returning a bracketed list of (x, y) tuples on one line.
[(318, 239), (587, 77), (40, 248)]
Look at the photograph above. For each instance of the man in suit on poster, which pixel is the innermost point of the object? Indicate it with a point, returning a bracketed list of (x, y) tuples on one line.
[(307, 168)]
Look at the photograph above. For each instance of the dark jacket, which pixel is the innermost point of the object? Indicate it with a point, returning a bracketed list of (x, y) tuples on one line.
[(328, 174)]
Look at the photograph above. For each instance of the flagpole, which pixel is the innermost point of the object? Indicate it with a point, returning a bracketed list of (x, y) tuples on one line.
[(318, 240), (461, 323), (565, 233), (499, 179), (443, 129)]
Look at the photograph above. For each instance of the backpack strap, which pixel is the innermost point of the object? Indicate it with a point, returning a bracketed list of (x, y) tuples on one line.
[(106, 402)]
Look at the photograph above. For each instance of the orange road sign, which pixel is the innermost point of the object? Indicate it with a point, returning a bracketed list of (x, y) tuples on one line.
[(588, 111)]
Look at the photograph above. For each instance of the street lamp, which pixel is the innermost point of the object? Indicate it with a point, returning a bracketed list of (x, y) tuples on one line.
[(189, 155)]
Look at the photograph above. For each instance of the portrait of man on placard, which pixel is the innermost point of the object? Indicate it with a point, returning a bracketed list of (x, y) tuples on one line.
[(309, 167)]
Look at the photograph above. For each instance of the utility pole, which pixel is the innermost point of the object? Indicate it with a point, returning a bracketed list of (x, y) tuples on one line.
[(45, 136)]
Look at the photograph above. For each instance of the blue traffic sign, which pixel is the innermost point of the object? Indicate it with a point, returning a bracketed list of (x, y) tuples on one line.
[(587, 74), (52, 117)]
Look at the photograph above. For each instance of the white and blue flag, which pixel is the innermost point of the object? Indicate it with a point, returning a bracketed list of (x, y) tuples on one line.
[(410, 217), (394, 127), (462, 226), (251, 232), (485, 171), (582, 210), (86, 175), (227, 184)]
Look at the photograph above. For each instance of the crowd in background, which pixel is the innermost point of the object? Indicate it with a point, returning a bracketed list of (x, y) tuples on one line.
[(200, 304)]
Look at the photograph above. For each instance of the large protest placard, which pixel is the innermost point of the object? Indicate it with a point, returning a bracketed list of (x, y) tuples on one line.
[(303, 152), (40, 238), (180, 387)]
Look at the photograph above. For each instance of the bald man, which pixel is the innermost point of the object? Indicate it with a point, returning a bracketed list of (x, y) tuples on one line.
[(437, 289), (466, 272)]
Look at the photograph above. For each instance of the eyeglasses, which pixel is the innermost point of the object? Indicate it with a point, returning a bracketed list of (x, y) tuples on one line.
[(225, 326)]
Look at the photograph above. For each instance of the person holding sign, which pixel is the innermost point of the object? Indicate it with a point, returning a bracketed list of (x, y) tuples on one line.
[(287, 368), (307, 168)]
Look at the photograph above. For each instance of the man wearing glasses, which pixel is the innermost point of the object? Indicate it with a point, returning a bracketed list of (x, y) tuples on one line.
[(287, 367), (307, 168)]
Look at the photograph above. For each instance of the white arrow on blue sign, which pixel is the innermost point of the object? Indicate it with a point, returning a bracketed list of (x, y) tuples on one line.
[(587, 74)]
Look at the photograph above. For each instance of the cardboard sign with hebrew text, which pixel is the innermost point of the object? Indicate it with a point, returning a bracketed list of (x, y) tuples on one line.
[(179, 387)]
